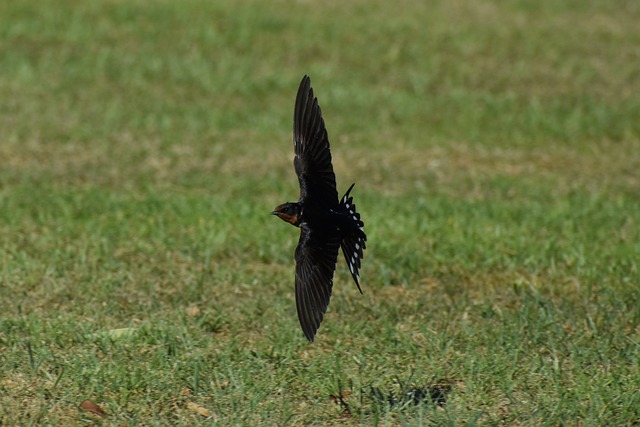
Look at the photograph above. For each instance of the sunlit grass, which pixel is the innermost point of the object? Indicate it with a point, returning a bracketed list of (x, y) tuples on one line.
[(494, 149)]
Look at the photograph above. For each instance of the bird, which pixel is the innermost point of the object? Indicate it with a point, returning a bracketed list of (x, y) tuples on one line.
[(326, 223)]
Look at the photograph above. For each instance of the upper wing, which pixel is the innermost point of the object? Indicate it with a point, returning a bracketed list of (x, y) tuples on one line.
[(316, 257), (313, 156)]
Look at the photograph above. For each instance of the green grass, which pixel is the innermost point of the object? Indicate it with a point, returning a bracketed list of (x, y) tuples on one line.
[(495, 146)]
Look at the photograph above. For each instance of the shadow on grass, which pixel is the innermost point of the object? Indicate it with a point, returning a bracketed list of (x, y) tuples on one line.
[(409, 395), (435, 393)]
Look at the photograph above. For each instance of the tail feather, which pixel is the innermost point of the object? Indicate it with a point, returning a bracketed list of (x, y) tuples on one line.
[(354, 242)]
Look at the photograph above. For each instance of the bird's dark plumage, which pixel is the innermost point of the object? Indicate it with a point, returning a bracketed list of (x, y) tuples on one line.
[(325, 222)]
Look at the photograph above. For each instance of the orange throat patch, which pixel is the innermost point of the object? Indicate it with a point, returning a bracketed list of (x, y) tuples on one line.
[(292, 219)]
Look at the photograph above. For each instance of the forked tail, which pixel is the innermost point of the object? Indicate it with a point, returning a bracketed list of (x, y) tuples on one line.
[(354, 241)]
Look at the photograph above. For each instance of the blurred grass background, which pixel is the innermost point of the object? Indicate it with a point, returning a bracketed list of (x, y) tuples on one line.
[(494, 146)]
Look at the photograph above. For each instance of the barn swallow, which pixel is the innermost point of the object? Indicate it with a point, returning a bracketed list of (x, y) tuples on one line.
[(326, 223)]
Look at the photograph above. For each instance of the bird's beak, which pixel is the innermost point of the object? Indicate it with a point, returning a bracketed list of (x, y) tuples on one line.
[(274, 212)]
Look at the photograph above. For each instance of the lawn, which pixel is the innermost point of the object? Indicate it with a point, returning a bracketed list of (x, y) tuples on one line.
[(495, 147)]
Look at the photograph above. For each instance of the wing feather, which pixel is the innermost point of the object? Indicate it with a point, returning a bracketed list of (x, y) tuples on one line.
[(316, 257), (312, 160)]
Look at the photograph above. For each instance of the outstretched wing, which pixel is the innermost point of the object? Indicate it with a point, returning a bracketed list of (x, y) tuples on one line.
[(316, 257), (311, 144)]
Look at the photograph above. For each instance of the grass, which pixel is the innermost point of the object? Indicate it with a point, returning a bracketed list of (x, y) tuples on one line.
[(495, 150)]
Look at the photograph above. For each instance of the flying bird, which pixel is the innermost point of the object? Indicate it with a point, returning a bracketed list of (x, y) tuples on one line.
[(326, 222)]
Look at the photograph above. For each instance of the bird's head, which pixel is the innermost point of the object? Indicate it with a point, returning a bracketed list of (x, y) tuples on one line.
[(290, 212)]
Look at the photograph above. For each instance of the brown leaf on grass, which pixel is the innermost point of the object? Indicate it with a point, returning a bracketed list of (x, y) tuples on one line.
[(186, 392), (193, 311), (201, 410), (91, 406)]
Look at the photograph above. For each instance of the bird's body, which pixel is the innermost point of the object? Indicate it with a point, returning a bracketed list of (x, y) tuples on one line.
[(326, 223)]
